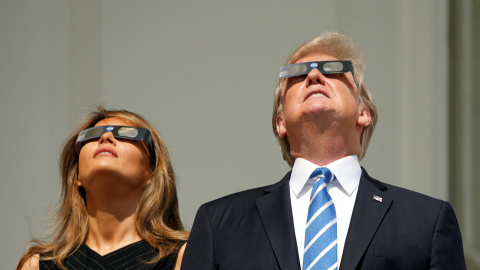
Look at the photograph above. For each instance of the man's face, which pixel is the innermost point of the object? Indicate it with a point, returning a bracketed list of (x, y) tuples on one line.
[(331, 98)]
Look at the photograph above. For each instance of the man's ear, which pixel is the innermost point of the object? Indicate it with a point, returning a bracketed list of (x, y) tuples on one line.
[(364, 117), (281, 129)]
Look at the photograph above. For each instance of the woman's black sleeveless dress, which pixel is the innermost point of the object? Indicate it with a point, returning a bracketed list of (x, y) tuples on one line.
[(131, 257)]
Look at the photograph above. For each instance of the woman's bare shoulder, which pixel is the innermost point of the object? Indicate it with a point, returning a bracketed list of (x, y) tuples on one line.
[(178, 263), (32, 263)]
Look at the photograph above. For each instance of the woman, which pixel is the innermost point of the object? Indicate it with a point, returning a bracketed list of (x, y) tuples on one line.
[(119, 207)]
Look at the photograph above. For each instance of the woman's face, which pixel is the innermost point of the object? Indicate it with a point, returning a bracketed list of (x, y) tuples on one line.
[(110, 161)]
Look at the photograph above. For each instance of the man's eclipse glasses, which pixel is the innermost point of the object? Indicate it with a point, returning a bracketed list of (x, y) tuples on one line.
[(325, 67)]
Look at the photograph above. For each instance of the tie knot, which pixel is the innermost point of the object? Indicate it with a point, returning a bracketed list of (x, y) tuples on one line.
[(322, 174)]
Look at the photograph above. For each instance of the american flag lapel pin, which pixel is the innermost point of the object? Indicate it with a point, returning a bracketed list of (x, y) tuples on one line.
[(377, 198)]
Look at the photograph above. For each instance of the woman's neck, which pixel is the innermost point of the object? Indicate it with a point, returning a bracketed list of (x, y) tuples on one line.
[(112, 221)]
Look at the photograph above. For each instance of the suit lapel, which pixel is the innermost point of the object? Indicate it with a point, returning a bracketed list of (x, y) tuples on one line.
[(366, 218), (275, 211)]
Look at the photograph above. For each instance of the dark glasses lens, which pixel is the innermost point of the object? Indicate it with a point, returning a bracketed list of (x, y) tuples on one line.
[(128, 132), (297, 69), (333, 67), (92, 133)]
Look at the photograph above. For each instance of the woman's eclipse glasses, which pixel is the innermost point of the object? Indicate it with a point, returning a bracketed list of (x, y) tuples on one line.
[(119, 132)]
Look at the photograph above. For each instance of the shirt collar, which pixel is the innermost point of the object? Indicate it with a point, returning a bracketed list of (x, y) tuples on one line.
[(347, 170)]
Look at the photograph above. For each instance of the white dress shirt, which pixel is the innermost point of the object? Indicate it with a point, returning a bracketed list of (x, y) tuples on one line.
[(343, 191)]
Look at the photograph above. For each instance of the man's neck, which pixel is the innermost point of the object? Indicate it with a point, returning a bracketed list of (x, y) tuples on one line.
[(323, 150), (323, 145)]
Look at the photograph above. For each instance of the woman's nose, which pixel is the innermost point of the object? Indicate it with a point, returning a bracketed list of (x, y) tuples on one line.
[(107, 137)]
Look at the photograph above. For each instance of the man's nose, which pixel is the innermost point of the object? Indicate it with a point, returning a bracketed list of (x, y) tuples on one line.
[(315, 77)]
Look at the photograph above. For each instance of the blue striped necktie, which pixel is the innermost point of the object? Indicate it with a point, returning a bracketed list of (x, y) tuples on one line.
[(321, 231)]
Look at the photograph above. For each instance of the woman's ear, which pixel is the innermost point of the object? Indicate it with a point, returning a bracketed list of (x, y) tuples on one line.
[(148, 182)]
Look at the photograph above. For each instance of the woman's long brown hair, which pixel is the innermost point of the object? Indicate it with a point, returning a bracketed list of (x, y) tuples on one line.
[(157, 217)]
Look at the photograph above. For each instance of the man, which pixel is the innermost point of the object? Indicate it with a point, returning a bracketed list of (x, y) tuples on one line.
[(327, 213)]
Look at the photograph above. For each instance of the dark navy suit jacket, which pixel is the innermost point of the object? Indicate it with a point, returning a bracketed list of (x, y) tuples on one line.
[(254, 229)]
